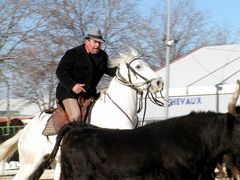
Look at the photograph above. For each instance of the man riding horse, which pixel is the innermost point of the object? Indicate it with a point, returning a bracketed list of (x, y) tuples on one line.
[(79, 72), (111, 110)]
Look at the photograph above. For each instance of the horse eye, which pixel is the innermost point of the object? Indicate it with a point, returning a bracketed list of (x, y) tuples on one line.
[(138, 66)]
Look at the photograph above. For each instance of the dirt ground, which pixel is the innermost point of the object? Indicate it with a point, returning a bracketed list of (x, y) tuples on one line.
[(47, 175)]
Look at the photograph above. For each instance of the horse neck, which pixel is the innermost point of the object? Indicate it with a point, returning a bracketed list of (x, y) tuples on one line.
[(124, 96)]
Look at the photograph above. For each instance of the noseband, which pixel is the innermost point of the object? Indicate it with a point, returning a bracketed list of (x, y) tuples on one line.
[(129, 81), (135, 86)]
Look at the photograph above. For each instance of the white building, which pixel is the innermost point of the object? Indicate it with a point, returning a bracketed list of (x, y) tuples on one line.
[(18, 107), (201, 80)]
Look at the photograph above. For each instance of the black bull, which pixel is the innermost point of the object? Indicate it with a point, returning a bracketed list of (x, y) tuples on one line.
[(186, 147)]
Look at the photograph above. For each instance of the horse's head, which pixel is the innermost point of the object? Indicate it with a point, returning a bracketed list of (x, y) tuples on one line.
[(137, 74)]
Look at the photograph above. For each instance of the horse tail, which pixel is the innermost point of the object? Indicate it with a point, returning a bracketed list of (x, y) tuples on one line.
[(48, 159), (8, 147)]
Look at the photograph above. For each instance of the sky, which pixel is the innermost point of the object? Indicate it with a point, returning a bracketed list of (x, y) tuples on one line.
[(220, 11)]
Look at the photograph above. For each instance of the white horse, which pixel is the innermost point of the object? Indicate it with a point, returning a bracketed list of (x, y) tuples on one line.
[(116, 108)]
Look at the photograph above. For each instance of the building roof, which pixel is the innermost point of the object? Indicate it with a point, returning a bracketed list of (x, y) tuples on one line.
[(17, 107), (7, 119), (204, 67)]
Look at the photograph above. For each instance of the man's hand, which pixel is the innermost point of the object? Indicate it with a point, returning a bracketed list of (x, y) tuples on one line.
[(77, 88)]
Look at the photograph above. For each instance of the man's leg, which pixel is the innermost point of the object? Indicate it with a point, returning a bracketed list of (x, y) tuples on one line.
[(72, 109)]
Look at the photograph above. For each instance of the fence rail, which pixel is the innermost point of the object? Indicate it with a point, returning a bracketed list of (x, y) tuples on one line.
[(6, 130)]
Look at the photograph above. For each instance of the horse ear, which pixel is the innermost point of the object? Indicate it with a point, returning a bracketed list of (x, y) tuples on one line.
[(133, 51), (123, 55), (130, 54)]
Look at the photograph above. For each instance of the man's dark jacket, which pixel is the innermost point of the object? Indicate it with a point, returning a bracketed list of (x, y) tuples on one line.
[(76, 66)]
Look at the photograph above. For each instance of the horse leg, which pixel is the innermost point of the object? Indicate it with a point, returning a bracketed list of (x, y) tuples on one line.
[(25, 171), (57, 170), (28, 165), (32, 148), (30, 159)]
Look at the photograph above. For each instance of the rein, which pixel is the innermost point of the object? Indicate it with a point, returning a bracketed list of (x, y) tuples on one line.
[(120, 109), (154, 100), (129, 83)]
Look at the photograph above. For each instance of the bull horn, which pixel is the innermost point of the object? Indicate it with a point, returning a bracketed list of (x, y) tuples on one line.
[(233, 100)]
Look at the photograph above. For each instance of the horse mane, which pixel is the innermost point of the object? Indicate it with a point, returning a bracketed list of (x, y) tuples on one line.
[(125, 57)]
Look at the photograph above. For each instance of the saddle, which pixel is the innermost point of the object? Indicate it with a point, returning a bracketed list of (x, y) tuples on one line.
[(59, 117)]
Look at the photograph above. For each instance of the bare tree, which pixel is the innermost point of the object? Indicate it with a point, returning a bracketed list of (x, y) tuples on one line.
[(17, 25), (35, 34), (15, 28), (190, 28), (68, 21), (64, 26), (35, 78)]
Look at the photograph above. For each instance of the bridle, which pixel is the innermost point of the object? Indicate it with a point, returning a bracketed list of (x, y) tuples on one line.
[(136, 86), (128, 82)]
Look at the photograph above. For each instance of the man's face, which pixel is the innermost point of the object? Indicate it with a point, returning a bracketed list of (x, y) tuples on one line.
[(93, 46)]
